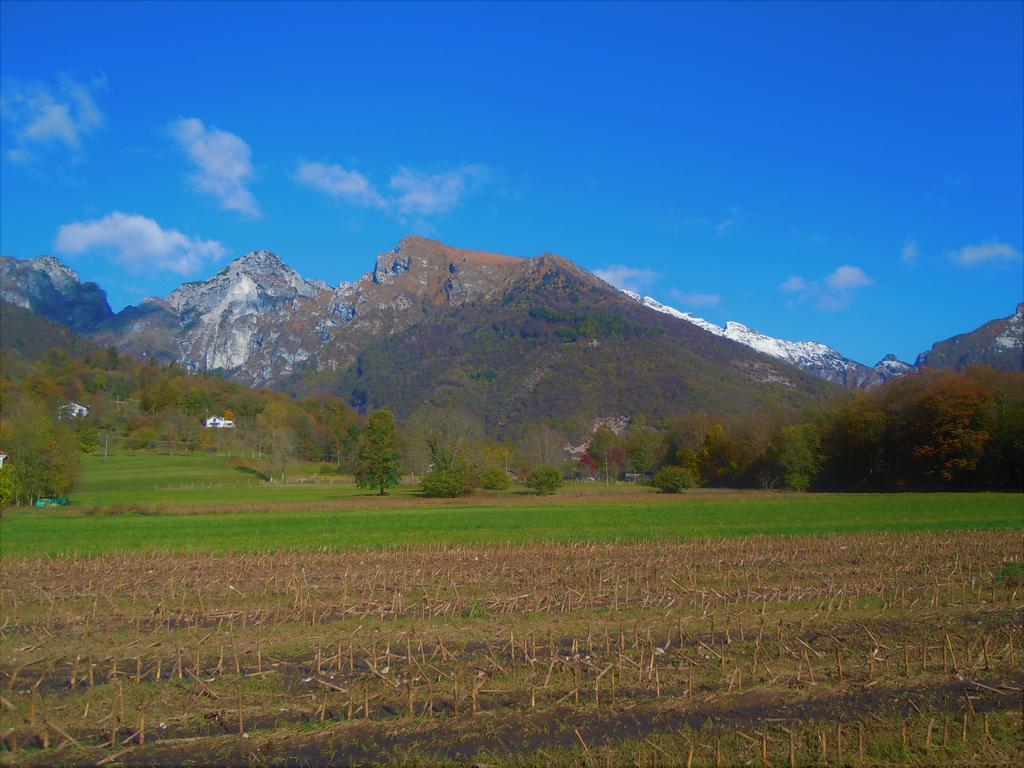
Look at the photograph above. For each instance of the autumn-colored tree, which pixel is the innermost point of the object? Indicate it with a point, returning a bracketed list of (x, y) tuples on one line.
[(949, 427), (720, 460)]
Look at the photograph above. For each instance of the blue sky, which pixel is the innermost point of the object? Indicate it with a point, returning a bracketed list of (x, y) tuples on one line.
[(848, 173)]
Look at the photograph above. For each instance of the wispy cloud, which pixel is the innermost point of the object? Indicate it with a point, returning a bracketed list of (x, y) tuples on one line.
[(42, 116), (985, 253), (634, 279), (722, 228), (696, 299), (910, 253), (836, 291), (425, 194), (340, 183), (725, 227), (138, 243), (223, 164), (410, 192), (794, 284)]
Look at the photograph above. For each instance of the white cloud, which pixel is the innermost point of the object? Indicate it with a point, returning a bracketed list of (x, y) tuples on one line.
[(628, 278), (696, 299), (847, 278), (834, 293), (794, 284), (223, 164), (43, 116), (338, 182), (982, 253), (425, 194), (138, 243), (910, 252)]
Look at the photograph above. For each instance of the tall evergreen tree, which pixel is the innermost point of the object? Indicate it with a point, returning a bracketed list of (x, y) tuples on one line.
[(378, 453)]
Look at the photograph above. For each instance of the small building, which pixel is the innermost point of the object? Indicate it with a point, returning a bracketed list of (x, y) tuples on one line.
[(72, 411), (219, 422), (3, 458)]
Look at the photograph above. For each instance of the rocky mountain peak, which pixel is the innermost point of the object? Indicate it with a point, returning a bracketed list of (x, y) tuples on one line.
[(51, 288), (259, 263), (61, 275), (246, 284), (891, 366)]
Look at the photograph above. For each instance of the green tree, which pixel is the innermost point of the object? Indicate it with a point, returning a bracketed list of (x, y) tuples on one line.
[(643, 447), (447, 482), (673, 479), (545, 480), (113, 360), (377, 465), (43, 456), (448, 434), (494, 479), (798, 453)]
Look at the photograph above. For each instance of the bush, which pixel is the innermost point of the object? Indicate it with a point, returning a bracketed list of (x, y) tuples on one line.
[(446, 483), (674, 479), (1011, 574), (494, 479), (545, 480)]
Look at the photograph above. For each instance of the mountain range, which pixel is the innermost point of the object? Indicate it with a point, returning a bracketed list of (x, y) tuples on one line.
[(513, 339)]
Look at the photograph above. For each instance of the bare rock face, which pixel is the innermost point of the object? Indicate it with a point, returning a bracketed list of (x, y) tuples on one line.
[(999, 343), (237, 320), (50, 288), (258, 319)]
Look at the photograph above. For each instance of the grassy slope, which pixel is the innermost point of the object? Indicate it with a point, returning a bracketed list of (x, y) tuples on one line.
[(34, 533), (193, 480)]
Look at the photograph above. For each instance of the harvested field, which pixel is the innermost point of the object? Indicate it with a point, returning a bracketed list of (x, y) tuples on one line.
[(854, 649)]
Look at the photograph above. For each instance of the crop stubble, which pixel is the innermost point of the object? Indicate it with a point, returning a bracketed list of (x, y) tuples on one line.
[(862, 649)]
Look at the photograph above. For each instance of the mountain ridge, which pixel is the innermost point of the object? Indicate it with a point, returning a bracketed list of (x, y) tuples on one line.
[(431, 323), (999, 343), (823, 361), (48, 286)]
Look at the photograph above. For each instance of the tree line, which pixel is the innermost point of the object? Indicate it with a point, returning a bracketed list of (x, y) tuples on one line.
[(937, 430)]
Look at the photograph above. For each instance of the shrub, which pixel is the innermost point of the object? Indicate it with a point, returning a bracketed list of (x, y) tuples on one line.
[(495, 479), (446, 483), (674, 479), (545, 480), (1011, 574)]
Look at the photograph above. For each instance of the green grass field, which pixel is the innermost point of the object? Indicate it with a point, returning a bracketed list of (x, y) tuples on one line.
[(274, 516), (192, 480)]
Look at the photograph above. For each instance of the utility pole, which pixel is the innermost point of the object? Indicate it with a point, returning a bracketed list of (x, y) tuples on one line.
[(606, 480), (106, 444)]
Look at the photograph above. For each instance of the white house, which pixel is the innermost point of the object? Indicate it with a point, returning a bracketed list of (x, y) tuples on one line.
[(218, 422), (72, 411), (3, 458)]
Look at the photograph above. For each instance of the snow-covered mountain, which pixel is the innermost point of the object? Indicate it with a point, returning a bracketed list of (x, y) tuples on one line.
[(814, 357)]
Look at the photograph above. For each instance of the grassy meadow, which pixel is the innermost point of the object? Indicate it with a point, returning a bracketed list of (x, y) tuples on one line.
[(204, 503)]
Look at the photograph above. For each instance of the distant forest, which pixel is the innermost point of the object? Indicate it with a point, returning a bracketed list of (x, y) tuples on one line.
[(937, 430)]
